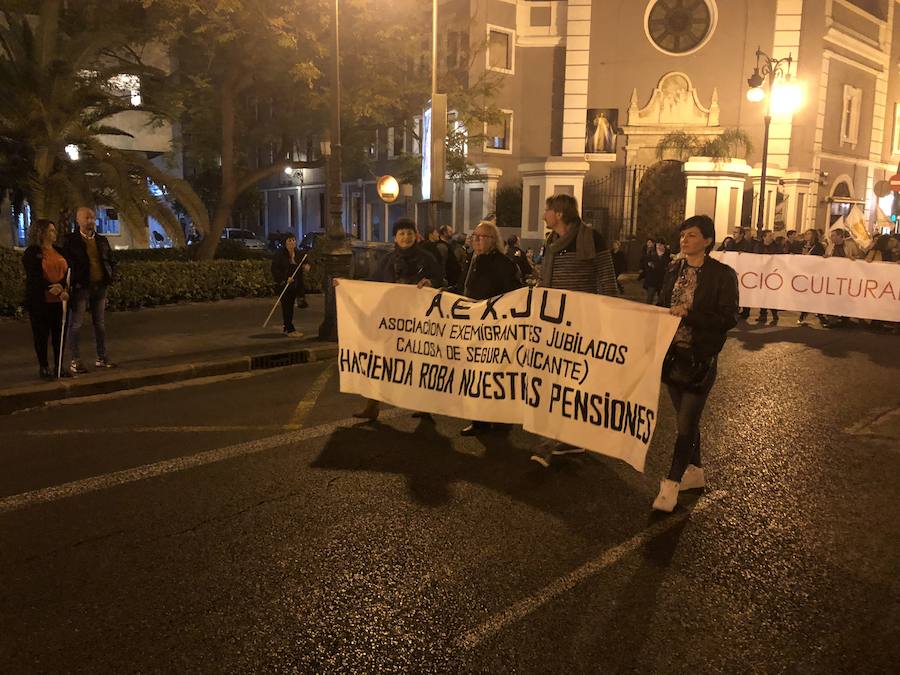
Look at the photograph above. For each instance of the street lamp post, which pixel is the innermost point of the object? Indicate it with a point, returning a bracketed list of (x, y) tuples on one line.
[(338, 255), (762, 84)]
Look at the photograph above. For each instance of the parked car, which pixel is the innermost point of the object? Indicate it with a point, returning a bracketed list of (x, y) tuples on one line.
[(245, 237)]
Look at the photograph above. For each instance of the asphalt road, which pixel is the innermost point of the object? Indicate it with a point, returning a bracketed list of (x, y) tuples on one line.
[(245, 524)]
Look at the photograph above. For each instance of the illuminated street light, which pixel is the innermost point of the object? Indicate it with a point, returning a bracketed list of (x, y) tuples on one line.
[(782, 97), (787, 96), (756, 94), (73, 152)]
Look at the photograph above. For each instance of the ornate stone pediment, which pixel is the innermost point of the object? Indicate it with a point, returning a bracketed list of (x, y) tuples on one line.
[(674, 103)]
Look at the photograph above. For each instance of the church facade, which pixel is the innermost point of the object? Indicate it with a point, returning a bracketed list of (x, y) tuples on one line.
[(591, 87)]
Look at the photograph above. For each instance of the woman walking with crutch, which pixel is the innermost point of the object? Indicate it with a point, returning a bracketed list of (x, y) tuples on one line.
[(45, 293)]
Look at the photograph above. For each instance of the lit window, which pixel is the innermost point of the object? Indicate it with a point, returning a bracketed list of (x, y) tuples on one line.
[(107, 221), (498, 135), (459, 135), (850, 115), (500, 50)]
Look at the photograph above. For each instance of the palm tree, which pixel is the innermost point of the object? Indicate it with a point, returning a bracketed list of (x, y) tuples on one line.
[(55, 94), (731, 143)]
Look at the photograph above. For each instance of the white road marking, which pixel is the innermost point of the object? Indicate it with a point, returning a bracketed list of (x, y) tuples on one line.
[(125, 393), (110, 480), (564, 584), (308, 402), (154, 430)]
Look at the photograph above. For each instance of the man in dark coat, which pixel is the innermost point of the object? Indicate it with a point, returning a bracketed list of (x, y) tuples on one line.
[(93, 267)]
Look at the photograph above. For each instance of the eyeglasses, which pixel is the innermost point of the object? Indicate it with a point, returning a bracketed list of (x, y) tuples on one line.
[(482, 236)]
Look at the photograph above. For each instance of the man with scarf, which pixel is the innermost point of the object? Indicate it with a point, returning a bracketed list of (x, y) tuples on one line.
[(575, 259), (408, 263)]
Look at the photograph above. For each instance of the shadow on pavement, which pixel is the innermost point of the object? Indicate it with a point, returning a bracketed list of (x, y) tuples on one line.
[(629, 625), (838, 342), (576, 489)]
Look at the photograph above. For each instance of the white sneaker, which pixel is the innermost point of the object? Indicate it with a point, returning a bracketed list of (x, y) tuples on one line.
[(693, 478), (667, 497)]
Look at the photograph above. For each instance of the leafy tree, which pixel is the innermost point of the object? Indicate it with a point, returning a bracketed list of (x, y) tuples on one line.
[(255, 97), (249, 85), (55, 92)]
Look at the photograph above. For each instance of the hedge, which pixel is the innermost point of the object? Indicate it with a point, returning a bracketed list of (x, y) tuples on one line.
[(151, 283), (227, 250), (147, 284)]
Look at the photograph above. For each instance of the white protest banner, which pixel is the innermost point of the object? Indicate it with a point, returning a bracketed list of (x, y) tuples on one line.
[(807, 283), (583, 369)]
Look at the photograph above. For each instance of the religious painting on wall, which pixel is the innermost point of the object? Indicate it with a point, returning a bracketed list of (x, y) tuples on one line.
[(600, 131)]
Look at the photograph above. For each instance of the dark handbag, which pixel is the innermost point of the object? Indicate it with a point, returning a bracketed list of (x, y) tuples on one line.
[(682, 368)]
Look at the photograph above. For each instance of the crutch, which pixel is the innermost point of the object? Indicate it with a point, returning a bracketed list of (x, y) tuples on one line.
[(62, 334), (284, 290)]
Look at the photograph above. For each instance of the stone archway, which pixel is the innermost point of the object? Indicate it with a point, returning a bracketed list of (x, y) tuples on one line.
[(661, 201)]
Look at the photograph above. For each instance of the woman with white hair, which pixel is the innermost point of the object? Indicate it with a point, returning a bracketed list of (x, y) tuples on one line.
[(490, 273)]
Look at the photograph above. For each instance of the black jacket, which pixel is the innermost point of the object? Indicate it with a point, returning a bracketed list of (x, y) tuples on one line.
[(654, 268), (35, 283), (283, 268), (769, 249), (409, 266), (75, 252), (489, 275), (715, 305), (517, 255)]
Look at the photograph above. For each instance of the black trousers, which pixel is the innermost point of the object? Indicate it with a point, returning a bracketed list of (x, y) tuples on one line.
[(46, 323), (287, 308), (688, 410)]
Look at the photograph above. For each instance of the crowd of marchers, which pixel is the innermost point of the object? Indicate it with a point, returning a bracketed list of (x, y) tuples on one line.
[(699, 290), (836, 243)]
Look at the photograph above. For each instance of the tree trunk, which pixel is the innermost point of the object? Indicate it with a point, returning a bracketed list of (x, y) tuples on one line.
[(206, 250)]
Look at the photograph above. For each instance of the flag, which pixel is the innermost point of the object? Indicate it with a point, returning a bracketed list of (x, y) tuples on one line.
[(856, 226)]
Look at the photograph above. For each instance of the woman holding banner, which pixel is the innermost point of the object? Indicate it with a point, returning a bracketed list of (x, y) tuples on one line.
[(45, 293), (704, 293), (491, 272), (408, 263)]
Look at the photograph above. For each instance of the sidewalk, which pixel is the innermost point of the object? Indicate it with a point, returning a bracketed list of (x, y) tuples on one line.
[(164, 344)]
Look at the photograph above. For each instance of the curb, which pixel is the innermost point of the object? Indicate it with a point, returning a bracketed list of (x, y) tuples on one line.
[(29, 396)]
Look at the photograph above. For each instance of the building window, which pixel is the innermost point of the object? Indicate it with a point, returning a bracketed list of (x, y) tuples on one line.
[(476, 206), (457, 50), (678, 27), (458, 136), (392, 149), (500, 54), (372, 149), (498, 135), (414, 142), (539, 17), (107, 221), (850, 115), (895, 147)]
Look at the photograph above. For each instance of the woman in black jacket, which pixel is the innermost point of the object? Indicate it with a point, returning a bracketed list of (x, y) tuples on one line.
[(408, 263), (704, 293), (45, 291), (284, 265), (491, 272)]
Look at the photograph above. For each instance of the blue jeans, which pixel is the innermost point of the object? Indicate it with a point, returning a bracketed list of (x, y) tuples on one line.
[(688, 410), (82, 298)]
